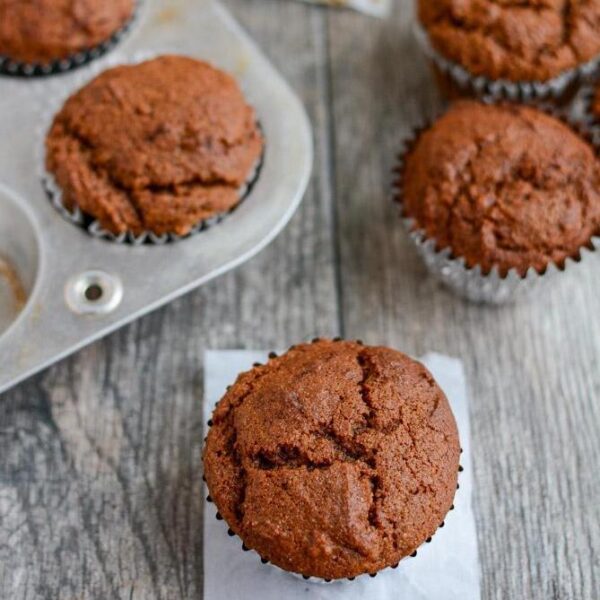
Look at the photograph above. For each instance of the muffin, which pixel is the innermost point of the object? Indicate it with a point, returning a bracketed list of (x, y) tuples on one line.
[(158, 147), (546, 43), (40, 32), (507, 188), (333, 460)]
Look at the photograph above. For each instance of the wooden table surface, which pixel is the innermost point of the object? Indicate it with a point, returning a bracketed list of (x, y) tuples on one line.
[(100, 481)]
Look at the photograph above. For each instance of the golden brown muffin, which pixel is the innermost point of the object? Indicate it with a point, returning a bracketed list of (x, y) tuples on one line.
[(44, 31), (159, 146), (333, 460), (503, 186), (529, 40)]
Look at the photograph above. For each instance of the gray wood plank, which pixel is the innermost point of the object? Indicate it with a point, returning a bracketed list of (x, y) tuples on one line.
[(100, 490), (532, 368)]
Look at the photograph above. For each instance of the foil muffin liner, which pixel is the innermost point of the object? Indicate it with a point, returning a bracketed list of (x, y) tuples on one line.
[(15, 68), (86, 222), (472, 283), (310, 578), (558, 89)]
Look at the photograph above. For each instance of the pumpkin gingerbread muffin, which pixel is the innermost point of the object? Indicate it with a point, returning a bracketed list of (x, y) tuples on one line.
[(503, 186), (155, 147), (333, 460), (529, 40), (44, 31)]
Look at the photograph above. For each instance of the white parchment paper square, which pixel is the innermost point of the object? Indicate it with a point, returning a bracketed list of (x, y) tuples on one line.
[(445, 569)]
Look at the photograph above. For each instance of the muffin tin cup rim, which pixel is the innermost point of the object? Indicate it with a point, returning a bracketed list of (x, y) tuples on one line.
[(87, 223), (473, 283), (14, 68), (313, 580), (504, 89)]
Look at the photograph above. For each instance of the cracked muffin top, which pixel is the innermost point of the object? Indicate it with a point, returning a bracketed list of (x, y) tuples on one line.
[(333, 460), (503, 186), (159, 146), (518, 40), (42, 31)]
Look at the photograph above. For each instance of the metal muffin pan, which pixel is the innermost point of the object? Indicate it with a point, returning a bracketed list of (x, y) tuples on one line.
[(76, 288)]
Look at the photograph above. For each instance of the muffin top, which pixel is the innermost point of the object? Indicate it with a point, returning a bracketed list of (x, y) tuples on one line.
[(528, 40), (333, 460), (158, 146), (506, 186), (42, 31)]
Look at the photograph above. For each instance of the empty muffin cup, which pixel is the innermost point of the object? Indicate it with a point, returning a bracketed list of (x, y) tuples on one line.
[(19, 258)]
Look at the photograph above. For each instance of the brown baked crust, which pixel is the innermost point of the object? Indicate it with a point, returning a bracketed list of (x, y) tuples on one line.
[(518, 40), (333, 460), (43, 31), (159, 146), (506, 186)]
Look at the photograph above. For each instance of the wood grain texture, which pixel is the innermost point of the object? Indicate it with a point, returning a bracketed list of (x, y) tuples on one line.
[(100, 492)]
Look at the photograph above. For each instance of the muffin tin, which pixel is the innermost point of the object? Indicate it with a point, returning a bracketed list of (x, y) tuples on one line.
[(76, 288)]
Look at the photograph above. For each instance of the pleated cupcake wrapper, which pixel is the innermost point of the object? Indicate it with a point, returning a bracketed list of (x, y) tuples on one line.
[(76, 216), (473, 283), (95, 229), (312, 579), (503, 89), (15, 68)]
